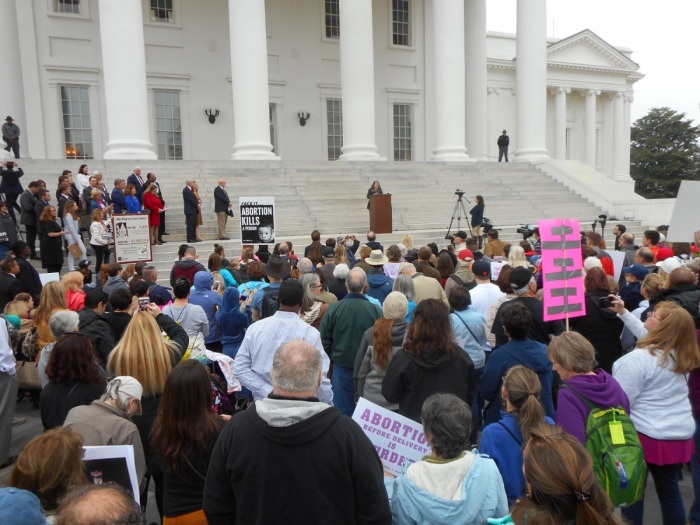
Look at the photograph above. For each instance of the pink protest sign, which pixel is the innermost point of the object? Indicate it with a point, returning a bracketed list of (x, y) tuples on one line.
[(562, 269)]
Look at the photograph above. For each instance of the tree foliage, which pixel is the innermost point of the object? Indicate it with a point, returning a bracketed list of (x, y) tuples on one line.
[(664, 151)]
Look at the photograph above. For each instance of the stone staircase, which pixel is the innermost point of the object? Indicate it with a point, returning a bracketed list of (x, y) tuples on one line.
[(331, 197)]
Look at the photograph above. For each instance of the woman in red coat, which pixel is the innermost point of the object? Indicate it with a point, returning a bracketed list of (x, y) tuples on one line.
[(152, 202)]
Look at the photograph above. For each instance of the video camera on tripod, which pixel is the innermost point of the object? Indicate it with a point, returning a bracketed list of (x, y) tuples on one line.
[(602, 220), (526, 230)]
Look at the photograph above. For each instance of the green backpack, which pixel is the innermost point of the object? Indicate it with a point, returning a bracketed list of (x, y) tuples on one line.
[(618, 458)]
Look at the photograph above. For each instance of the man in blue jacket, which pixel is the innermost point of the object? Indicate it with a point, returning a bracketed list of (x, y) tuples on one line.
[(118, 196)]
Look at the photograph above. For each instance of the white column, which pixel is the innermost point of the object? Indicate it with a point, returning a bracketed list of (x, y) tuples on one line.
[(124, 70), (627, 135), (249, 81), (531, 80), (590, 132), (11, 90), (560, 122), (357, 80), (476, 90), (448, 62), (619, 172)]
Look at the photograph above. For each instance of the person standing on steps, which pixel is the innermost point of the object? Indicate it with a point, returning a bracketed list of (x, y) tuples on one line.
[(503, 143), (222, 208), (10, 134), (191, 208)]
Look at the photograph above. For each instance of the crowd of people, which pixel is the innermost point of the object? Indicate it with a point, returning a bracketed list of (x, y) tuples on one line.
[(235, 383)]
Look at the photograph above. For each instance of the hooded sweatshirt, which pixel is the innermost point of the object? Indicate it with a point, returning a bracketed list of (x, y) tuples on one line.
[(114, 284), (471, 486), (410, 380), (380, 284), (185, 268), (294, 461), (232, 321), (601, 389), (210, 301)]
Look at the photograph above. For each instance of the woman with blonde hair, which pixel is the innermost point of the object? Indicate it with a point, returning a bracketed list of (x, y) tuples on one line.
[(503, 441), (516, 257), (75, 295), (100, 239), (21, 307), (655, 378), (51, 243), (561, 483), (71, 224), (52, 299), (151, 369), (50, 466)]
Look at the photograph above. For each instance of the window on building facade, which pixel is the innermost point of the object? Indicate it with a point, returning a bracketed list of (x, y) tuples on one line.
[(403, 144), (77, 130), (162, 11), (67, 6), (168, 125), (400, 21), (332, 11), (334, 115)]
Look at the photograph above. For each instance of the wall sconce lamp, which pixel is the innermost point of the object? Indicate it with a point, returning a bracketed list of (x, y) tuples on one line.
[(303, 117), (212, 113)]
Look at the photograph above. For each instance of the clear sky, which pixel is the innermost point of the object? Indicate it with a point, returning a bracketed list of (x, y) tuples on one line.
[(664, 38)]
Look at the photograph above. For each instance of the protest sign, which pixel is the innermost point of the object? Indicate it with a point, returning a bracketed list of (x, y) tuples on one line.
[(399, 441), (257, 220), (562, 269), (132, 242), (684, 219), (48, 277), (496, 268), (113, 463), (618, 259)]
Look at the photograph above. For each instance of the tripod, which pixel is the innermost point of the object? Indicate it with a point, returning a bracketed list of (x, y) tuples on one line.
[(460, 212)]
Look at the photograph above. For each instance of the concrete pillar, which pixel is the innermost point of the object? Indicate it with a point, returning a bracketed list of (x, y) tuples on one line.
[(531, 80), (590, 130), (560, 122), (249, 81), (619, 171), (357, 80), (476, 89), (449, 67), (12, 88), (124, 70)]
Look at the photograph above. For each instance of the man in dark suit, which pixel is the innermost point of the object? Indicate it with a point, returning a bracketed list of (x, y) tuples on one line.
[(9, 285), (138, 182), (28, 277), (151, 178), (118, 199), (67, 177), (43, 202), (87, 192), (222, 205), (11, 187), (27, 202), (63, 197), (191, 208)]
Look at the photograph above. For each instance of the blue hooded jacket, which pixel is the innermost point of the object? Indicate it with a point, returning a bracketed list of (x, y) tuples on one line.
[(483, 496), (210, 301), (233, 322), (380, 285)]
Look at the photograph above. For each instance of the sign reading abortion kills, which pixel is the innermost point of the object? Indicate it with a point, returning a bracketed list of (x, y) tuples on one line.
[(257, 220), (562, 269), (399, 441)]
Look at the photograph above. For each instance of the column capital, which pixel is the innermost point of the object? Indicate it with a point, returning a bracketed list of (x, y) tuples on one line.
[(629, 98), (593, 92), (493, 90)]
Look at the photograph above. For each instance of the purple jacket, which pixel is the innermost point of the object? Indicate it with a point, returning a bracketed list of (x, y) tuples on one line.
[(600, 389)]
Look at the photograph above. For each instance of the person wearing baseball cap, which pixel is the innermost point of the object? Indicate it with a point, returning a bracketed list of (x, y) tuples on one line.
[(460, 241), (485, 293), (631, 292), (462, 275)]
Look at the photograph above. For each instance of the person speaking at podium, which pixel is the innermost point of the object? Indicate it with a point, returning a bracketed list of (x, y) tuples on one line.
[(374, 189)]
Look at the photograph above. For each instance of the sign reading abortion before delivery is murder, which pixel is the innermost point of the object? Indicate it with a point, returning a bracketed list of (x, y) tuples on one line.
[(399, 441), (257, 220), (562, 269), (131, 240)]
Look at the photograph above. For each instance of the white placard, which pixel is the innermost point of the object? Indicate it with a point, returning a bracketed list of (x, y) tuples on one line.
[(131, 240), (496, 268), (107, 463), (618, 262), (49, 277), (257, 220), (399, 441), (684, 219)]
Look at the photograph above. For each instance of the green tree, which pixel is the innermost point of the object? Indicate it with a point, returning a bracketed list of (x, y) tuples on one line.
[(664, 151)]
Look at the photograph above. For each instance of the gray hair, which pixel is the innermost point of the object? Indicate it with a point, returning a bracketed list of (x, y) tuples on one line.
[(62, 322), (305, 265), (296, 367), (404, 284), (628, 237), (309, 281), (189, 182), (356, 280), (447, 420), (117, 182), (403, 249), (341, 271), (524, 290)]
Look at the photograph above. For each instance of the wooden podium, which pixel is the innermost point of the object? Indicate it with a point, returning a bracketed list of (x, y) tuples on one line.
[(380, 213)]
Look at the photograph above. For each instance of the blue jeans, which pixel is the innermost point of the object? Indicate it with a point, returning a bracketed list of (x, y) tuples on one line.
[(666, 484), (343, 388), (694, 512)]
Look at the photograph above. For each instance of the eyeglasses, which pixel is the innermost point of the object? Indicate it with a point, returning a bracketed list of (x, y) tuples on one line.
[(654, 315)]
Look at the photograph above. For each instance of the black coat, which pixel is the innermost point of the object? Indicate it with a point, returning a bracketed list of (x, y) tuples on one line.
[(602, 327), (221, 199), (27, 202), (9, 287), (133, 179), (51, 247), (38, 209), (190, 201), (685, 295), (96, 327), (28, 277), (10, 184)]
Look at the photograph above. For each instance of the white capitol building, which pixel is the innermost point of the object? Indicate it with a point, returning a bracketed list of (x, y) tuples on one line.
[(314, 80)]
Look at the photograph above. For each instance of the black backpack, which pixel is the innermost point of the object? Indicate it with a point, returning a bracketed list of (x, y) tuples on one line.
[(269, 302)]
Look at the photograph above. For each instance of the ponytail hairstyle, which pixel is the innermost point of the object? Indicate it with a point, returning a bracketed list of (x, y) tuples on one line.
[(523, 390), (561, 483)]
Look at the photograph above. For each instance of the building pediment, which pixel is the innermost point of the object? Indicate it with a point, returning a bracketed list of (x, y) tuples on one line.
[(587, 50)]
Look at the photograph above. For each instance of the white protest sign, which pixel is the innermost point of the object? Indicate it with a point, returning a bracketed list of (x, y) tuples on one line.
[(496, 268), (257, 220), (618, 262), (132, 242), (112, 463), (49, 277), (684, 219), (399, 441)]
